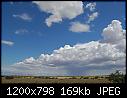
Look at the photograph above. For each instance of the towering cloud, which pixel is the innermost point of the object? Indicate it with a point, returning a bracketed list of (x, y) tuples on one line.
[(115, 35), (114, 32)]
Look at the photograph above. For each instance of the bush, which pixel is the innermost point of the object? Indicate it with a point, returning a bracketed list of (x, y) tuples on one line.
[(86, 78), (73, 77), (96, 77), (117, 77), (9, 77), (81, 77)]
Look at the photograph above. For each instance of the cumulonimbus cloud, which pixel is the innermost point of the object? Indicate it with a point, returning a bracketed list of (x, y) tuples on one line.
[(103, 56)]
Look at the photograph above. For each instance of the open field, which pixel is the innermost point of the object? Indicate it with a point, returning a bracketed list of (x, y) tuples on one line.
[(68, 80)]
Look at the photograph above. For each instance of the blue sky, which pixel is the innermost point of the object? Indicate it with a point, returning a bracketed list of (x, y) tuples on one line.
[(24, 24)]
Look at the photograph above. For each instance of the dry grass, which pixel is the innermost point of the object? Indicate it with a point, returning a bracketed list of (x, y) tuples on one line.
[(41, 80)]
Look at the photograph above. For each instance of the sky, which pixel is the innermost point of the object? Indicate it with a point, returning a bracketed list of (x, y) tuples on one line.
[(63, 38)]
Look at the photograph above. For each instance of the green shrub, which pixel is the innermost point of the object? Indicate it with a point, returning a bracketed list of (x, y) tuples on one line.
[(73, 77), (86, 78), (117, 77), (96, 77), (9, 77)]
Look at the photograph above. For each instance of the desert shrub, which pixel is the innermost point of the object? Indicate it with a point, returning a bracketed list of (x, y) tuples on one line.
[(117, 77), (96, 77), (81, 77), (86, 78), (46, 77), (73, 77), (9, 77)]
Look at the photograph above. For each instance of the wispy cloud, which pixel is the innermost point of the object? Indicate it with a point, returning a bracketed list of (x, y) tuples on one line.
[(9, 43), (21, 31), (23, 16)]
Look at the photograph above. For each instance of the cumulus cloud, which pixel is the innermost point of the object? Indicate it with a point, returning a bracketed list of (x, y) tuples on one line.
[(23, 16), (79, 27), (91, 6), (81, 59), (115, 34), (60, 10), (9, 43), (92, 17)]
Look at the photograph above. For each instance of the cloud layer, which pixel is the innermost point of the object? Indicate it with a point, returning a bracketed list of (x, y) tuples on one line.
[(60, 10), (92, 58)]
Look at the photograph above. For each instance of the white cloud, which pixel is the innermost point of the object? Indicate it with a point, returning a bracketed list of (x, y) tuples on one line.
[(91, 6), (9, 43), (60, 10), (115, 34), (93, 16), (23, 16), (21, 31), (81, 59), (79, 27)]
